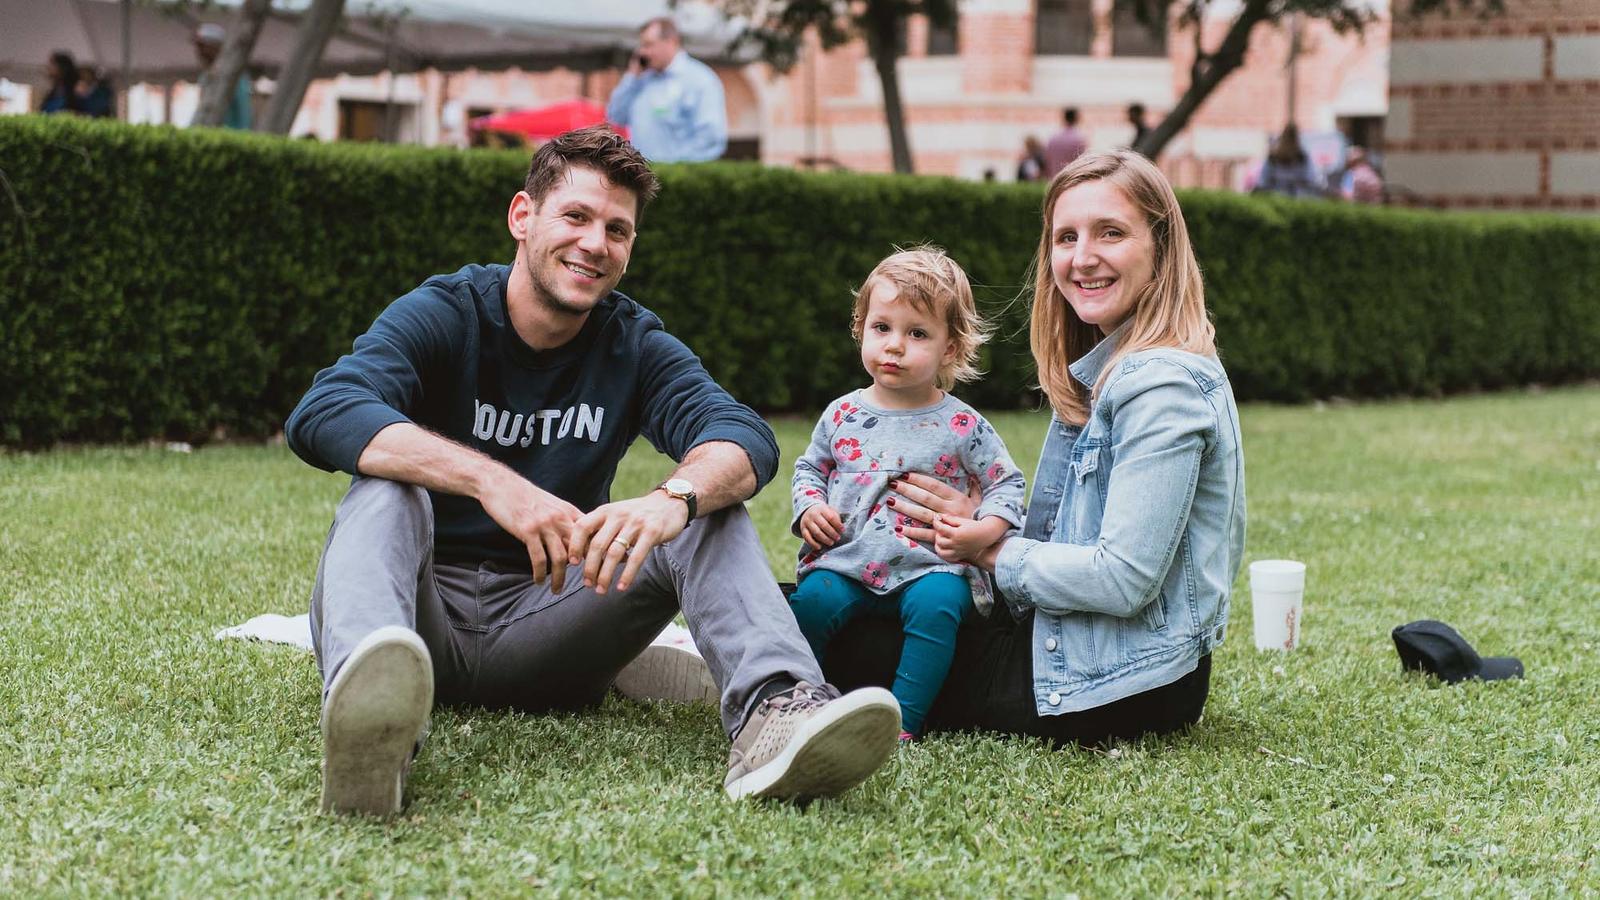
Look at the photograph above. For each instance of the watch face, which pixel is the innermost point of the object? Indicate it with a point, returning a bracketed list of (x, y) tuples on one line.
[(679, 486)]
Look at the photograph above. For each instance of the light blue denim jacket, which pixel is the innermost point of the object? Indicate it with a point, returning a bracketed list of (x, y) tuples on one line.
[(1134, 532)]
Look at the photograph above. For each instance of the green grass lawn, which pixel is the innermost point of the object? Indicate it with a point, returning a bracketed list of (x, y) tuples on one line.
[(138, 755)]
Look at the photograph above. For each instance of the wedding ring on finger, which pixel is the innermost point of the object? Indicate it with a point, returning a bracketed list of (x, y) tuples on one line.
[(626, 547)]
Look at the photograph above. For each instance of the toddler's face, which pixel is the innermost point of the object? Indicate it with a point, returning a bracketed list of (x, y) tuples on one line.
[(902, 347)]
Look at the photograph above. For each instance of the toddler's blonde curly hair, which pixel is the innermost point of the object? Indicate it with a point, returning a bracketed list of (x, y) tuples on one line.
[(933, 283)]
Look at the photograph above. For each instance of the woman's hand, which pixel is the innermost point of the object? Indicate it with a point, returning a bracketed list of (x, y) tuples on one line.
[(922, 497)]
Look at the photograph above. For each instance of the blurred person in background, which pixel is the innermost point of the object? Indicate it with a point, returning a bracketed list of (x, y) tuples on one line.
[(207, 46), (95, 97), (1031, 166), (1136, 119), (63, 73), (672, 103), (1065, 145), (1288, 170), (1361, 181)]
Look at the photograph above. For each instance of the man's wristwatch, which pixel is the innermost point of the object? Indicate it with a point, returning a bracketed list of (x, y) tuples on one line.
[(682, 489)]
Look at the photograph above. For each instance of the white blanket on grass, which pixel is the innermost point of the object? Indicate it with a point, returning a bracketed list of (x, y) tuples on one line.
[(273, 628), (296, 631)]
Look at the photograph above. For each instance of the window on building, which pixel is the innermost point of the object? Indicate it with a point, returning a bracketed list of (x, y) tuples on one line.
[(1131, 37), (477, 137), (942, 41), (1363, 131), (364, 120), (1063, 28), (360, 120)]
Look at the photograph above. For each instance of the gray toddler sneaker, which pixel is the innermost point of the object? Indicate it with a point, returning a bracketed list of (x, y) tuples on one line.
[(375, 715), (810, 742)]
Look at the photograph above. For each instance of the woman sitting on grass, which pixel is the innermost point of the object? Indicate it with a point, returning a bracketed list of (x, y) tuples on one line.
[(1118, 584)]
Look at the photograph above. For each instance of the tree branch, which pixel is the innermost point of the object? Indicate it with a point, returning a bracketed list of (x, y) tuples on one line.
[(1228, 56)]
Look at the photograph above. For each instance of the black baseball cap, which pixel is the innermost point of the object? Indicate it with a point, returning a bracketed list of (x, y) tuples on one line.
[(1437, 649)]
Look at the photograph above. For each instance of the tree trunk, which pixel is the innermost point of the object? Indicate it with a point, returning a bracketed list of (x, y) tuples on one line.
[(1208, 72), (317, 25), (224, 74), (881, 34)]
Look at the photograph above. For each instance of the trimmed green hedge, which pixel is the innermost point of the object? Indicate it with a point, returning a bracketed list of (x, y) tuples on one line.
[(166, 283)]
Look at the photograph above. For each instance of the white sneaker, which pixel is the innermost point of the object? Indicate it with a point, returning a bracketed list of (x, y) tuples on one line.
[(670, 669), (811, 742), (377, 709)]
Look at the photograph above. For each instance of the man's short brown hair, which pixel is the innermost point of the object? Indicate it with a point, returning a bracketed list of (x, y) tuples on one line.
[(596, 147), (666, 29)]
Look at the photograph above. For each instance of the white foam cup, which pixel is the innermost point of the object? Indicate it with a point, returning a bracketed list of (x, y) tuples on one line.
[(1277, 602)]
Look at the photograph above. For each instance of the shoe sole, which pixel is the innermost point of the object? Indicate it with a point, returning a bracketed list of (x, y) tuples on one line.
[(836, 749), (377, 706), (671, 673)]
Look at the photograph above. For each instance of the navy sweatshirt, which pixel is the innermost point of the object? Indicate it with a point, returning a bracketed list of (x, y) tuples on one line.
[(445, 357)]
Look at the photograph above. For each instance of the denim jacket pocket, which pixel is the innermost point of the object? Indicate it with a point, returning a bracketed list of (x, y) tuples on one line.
[(1084, 497), (1154, 613)]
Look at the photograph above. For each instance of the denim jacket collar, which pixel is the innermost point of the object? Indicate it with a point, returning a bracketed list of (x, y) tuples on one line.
[(1088, 366)]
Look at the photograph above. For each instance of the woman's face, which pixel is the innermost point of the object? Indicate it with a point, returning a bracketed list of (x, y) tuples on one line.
[(1101, 253)]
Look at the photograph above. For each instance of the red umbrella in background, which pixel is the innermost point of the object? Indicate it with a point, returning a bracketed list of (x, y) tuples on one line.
[(546, 122)]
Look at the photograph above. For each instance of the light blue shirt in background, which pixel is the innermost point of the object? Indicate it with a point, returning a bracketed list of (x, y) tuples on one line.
[(675, 115), (1134, 532)]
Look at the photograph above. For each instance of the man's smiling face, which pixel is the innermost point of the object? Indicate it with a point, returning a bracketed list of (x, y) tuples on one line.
[(579, 240)]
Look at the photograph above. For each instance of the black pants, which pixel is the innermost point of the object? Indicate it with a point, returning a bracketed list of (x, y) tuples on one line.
[(990, 686)]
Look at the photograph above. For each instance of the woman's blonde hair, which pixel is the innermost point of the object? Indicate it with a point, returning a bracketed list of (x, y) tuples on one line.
[(927, 278), (1169, 311)]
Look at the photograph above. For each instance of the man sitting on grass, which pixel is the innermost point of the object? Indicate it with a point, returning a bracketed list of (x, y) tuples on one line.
[(483, 416)]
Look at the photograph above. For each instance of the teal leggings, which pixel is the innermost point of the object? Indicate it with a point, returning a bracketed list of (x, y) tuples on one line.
[(930, 610)]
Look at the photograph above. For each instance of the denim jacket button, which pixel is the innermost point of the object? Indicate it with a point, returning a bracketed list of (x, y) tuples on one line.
[(1050, 647), (1054, 699)]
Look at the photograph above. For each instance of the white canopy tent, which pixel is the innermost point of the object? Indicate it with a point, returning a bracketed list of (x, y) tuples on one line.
[(143, 41)]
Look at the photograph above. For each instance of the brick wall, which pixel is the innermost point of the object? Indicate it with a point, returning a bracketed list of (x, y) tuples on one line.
[(1498, 113), (969, 113)]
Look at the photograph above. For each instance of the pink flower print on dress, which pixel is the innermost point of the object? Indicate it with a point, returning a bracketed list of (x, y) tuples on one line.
[(810, 557), (996, 471), (962, 423), (866, 477), (847, 449), (845, 411), (876, 574), (910, 544), (946, 466), (827, 467)]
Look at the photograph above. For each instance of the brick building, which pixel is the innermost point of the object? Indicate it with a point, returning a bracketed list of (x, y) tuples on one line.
[(1011, 66), (971, 95), (1498, 113)]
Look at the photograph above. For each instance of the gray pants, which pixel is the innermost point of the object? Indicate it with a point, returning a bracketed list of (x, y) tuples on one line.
[(499, 640)]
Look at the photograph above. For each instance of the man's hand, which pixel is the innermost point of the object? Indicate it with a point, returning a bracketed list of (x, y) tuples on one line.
[(623, 534), (958, 539), (821, 526), (537, 518), (409, 454)]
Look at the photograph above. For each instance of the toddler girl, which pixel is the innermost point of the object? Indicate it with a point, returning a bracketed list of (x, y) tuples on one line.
[(919, 333)]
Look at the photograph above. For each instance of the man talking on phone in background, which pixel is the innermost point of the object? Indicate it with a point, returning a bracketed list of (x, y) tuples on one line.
[(671, 103)]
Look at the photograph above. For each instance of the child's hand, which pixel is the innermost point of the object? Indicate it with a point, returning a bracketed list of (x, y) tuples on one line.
[(956, 539), (820, 526)]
